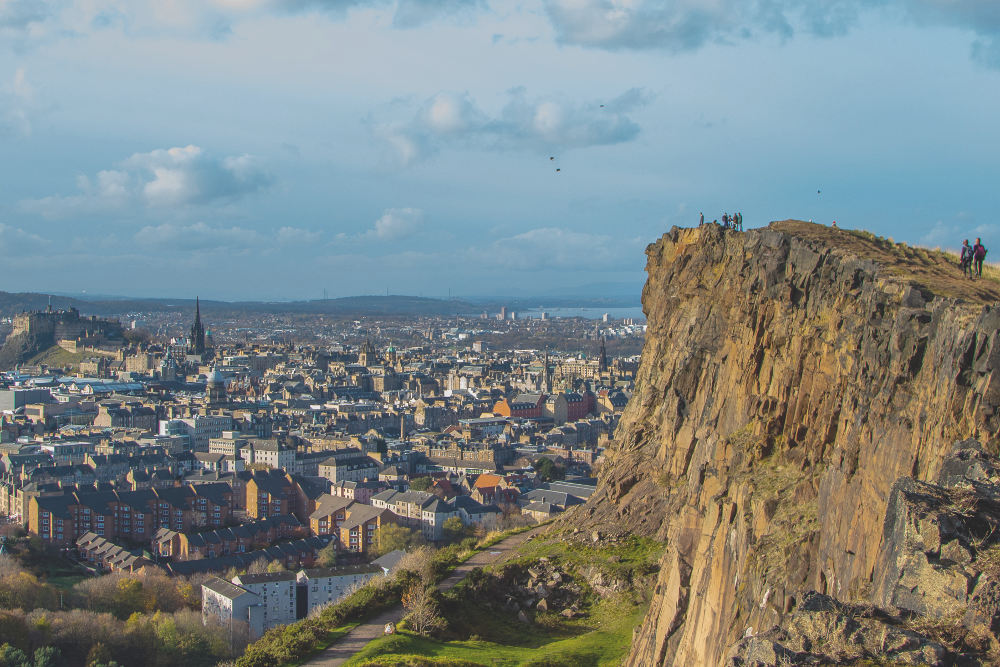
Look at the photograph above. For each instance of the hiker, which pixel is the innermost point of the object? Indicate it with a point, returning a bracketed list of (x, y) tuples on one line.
[(739, 221), (701, 221), (965, 259), (978, 255), (725, 220)]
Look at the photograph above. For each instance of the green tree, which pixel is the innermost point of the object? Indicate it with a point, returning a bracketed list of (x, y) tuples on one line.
[(548, 471), (453, 529), (12, 657), (327, 556), (47, 656), (391, 536), (421, 483)]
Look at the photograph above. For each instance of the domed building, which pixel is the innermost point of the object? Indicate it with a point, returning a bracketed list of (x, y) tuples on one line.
[(215, 387)]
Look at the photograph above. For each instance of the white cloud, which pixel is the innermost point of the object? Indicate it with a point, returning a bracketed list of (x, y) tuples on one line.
[(160, 179), (396, 224), (683, 25), (540, 125)]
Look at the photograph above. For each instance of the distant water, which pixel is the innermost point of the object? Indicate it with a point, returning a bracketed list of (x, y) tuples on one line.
[(634, 312)]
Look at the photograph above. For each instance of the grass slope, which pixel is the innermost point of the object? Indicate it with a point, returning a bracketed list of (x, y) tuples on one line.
[(601, 639), (479, 636), (56, 357)]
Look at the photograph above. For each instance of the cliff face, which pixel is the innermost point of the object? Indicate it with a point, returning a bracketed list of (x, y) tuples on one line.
[(791, 375)]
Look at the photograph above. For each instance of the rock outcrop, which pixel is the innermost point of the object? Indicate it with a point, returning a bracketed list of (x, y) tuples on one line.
[(791, 377)]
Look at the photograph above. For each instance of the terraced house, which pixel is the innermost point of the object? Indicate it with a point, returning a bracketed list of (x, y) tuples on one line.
[(133, 516), (235, 539)]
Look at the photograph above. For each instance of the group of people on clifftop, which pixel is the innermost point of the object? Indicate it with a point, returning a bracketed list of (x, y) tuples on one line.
[(734, 221), (971, 259)]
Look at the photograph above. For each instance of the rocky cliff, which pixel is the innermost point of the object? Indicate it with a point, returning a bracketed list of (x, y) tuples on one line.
[(791, 377)]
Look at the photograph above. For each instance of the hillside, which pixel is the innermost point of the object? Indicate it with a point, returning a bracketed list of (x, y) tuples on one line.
[(793, 380), (12, 303)]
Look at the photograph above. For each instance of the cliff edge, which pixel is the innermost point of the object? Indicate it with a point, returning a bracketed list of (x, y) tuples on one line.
[(791, 376)]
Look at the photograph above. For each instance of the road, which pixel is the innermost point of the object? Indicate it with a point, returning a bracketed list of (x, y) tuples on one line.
[(356, 639)]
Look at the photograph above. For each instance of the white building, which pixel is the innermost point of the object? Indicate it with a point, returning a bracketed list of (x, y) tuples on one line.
[(199, 429), (240, 611), (270, 453), (276, 591), (325, 586)]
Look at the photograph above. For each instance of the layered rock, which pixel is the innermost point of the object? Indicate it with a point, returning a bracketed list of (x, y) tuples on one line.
[(791, 375)]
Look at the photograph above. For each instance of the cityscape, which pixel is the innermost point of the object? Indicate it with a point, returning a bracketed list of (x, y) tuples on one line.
[(475, 333), (227, 445)]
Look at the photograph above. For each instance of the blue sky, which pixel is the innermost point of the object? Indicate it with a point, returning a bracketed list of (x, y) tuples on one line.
[(275, 148)]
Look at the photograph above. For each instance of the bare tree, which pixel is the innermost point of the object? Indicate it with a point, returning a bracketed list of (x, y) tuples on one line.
[(423, 615)]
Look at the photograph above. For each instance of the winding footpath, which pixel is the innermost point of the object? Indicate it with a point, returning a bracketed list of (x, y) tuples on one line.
[(358, 638)]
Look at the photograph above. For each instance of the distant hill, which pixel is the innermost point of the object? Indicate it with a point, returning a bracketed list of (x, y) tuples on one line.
[(13, 303)]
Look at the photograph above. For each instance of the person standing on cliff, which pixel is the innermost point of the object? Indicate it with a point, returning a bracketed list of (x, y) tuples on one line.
[(978, 255), (701, 221), (965, 259)]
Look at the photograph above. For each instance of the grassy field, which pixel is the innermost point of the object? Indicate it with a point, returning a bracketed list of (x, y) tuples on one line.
[(479, 636)]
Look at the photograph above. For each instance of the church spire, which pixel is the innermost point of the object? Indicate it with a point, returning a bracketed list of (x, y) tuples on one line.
[(546, 378), (197, 330)]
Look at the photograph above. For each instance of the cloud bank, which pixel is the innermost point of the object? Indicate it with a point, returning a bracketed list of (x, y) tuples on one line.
[(161, 179), (533, 124)]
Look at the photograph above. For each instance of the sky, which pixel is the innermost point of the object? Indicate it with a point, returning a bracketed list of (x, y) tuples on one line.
[(283, 149)]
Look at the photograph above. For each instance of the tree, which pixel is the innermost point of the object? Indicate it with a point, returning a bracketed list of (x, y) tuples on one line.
[(549, 471), (423, 614), (327, 556), (453, 529), (47, 656), (392, 536), (12, 657), (421, 483)]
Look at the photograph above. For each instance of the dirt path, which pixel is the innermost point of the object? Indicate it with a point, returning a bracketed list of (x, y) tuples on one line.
[(356, 639)]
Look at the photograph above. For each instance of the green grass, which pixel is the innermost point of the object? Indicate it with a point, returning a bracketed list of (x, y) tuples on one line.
[(485, 636), (602, 638), (331, 638), (55, 356), (632, 556), (66, 581)]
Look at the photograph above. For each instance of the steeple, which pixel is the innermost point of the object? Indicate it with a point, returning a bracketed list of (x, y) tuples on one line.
[(197, 330), (547, 378), (602, 360)]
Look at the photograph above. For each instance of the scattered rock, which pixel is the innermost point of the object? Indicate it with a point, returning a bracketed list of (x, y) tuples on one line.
[(543, 605), (567, 613), (521, 616)]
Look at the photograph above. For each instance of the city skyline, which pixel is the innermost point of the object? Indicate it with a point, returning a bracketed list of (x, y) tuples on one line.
[(264, 150)]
